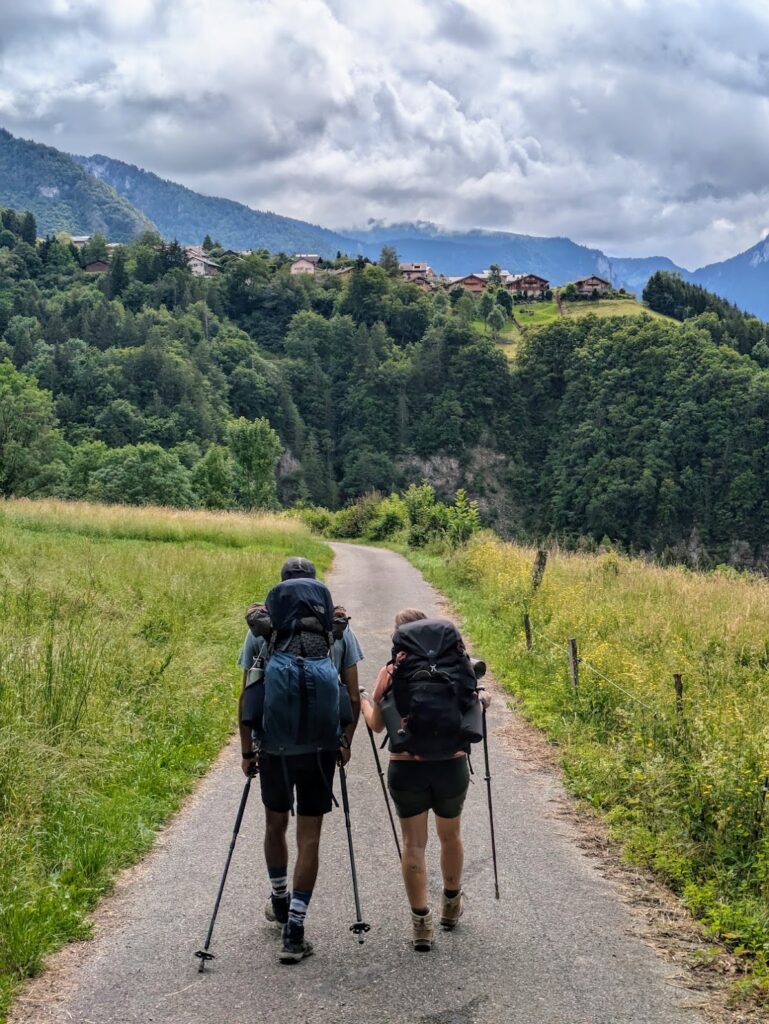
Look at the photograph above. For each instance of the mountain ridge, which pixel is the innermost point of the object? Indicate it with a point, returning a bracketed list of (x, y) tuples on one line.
[(83, 195), (736, 278), (188, 216), (61, 194)]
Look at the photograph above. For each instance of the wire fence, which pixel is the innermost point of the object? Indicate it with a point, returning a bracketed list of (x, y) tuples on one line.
[(592, 668)]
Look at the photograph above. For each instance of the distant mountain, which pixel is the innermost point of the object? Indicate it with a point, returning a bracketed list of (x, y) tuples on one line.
[(558, 259), (61, 194), (454, 252), (189, 216), (743, 279), (83, 195), (632, 273)]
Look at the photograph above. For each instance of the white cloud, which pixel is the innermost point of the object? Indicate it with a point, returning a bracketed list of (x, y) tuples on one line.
[(637, 126)]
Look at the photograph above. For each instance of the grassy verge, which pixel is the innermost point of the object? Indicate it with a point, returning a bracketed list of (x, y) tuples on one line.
[(119, 629), (535, 314), (610, 307), (686, 796)]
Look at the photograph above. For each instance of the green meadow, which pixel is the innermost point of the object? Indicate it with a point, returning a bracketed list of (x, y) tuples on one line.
[(119, 630), (535, 314)]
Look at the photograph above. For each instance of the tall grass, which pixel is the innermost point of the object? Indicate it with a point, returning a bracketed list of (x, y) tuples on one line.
[(174, 525), (685, 796), (117, 689)]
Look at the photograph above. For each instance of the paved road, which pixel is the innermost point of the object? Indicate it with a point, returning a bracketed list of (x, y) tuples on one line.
[(556, 950)]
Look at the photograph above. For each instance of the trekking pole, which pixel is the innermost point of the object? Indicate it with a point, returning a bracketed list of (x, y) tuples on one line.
[(203, 954), (491, 812), (384, 791), (360, 927)]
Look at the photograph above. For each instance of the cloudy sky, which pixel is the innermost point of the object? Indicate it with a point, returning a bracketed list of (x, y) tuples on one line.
[(639, 126)]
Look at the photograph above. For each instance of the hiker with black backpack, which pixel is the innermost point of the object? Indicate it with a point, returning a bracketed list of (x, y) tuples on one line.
[(298, 711), (427, 698)]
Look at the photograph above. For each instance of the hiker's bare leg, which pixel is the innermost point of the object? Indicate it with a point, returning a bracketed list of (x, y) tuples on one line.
[(452, 851), (275, 846), (414, 832), (307, 842)]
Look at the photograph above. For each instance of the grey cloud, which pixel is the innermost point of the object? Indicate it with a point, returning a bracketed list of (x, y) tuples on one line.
[(648, 135), (461, 25)]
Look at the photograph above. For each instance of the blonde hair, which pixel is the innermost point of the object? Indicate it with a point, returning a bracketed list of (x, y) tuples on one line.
[(408, 615)]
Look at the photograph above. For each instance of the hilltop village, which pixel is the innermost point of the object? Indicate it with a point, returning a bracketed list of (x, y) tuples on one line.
[(528, 286), (206, 261)]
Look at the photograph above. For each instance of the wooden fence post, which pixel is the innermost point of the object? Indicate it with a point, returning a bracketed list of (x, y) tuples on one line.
[(678, 683), (527, 628), (540, 563), (573, 665)]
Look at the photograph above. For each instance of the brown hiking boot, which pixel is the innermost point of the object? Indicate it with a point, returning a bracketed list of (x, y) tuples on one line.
[(451, 910), (422, 932)]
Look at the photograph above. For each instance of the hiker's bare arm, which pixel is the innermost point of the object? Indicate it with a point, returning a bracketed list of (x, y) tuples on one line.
[(372, 714)]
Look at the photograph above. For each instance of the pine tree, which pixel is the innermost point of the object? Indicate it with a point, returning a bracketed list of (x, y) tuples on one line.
[(29, 228), (388, 260), (118, 279)]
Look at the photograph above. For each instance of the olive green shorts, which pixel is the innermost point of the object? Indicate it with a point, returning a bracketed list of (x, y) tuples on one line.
[(438, 786)]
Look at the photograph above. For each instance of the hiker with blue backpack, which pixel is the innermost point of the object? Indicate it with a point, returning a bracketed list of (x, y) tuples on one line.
[(427, 699), (298, 711)]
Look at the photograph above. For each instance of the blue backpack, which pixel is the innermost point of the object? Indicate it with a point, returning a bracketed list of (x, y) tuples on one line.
[(299, 705)]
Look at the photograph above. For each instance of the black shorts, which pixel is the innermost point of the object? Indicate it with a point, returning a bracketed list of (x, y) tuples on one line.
[(311, 775), (438, 786)]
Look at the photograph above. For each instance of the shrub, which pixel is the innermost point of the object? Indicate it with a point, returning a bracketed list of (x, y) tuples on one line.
[(426, 516), (390, 519), (353, 520), (462, 519)]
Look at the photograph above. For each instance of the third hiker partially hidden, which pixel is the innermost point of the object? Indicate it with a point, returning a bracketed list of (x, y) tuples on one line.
[(427, 699)]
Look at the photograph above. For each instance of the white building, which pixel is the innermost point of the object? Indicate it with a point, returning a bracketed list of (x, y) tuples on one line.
[(305, 263)]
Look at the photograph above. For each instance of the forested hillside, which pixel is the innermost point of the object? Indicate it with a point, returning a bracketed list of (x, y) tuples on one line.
[(148, 384), (62, 195), (668, 294)]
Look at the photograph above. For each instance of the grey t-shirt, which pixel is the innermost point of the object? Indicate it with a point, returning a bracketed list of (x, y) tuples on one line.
[(347, 650)]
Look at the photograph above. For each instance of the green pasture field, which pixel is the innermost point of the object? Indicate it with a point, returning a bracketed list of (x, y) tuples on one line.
[(535, 314), (119, 631)]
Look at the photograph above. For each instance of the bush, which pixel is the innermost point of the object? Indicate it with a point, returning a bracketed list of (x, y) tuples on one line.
[(416, 517), (318, 519), (426, 516), (462, 520), (390, 519), (353, 520)]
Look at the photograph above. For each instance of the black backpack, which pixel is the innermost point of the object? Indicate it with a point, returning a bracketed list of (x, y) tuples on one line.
[(432, 708)]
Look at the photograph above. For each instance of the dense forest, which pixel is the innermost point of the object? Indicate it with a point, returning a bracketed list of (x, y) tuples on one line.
[(253, 387)]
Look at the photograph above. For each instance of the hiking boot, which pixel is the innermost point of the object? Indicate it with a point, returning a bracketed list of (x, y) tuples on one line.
[(295, 947), (276, 910), (422, 932), (451, 910)]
